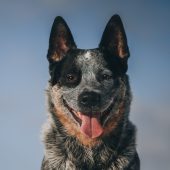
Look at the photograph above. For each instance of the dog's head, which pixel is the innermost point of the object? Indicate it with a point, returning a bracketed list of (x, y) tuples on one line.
[(86, 86)]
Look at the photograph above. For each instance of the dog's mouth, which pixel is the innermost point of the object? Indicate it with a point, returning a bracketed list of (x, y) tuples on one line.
[(91, 124)]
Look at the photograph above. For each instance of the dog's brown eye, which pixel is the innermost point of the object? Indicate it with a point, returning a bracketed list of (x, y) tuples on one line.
[(106, 77), (71, 77)]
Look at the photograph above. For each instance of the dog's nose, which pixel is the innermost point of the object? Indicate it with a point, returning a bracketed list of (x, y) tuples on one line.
[(89, 99)]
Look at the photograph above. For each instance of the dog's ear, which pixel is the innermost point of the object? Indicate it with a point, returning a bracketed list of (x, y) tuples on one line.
[(114, 38), (61, 40)]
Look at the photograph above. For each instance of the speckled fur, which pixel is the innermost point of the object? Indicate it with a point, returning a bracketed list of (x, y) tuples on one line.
[(66, 148)]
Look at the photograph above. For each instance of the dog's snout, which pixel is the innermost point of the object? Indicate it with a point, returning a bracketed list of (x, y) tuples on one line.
[(89, 99)]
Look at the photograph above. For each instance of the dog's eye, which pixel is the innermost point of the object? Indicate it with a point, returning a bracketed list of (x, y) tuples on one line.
[(71, 77), (106, 77)]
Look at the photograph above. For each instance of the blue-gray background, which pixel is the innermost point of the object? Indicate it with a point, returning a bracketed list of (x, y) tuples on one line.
[(24, 33)]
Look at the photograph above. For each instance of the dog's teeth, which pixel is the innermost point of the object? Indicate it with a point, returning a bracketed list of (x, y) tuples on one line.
[(78, 114)]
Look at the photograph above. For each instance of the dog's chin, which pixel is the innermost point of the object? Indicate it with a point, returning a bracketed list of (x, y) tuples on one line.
[(101, 116)]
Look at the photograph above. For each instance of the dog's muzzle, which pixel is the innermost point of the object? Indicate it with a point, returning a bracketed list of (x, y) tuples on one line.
[(91, 123)]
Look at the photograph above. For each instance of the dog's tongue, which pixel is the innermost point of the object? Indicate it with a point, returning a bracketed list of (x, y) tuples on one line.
[(91, 126)]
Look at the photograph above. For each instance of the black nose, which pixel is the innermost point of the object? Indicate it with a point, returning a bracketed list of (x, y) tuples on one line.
[(89, 99)]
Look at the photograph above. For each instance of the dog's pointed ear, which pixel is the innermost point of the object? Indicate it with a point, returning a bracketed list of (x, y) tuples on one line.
[(61, 40), (114, 38)]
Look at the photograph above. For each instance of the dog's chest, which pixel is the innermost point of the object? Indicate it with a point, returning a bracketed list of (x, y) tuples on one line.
[(95, 158)]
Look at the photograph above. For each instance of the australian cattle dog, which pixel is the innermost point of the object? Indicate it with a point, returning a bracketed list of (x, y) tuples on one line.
[(89, 99)]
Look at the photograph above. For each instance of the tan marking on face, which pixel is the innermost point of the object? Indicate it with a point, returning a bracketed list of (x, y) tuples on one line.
[(113, 122), (73, 130)]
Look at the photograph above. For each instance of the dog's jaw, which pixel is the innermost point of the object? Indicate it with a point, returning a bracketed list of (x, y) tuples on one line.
[(91, 125)]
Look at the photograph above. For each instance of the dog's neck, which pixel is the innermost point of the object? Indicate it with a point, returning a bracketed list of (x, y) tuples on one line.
[(59, 144)]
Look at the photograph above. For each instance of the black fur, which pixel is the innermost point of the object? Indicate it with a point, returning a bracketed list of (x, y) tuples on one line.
[(89, 82)]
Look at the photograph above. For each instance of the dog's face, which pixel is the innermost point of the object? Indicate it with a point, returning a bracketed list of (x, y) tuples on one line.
[(87, 84)]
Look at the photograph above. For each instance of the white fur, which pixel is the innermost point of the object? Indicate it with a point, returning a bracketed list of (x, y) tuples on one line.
[(87, 56)]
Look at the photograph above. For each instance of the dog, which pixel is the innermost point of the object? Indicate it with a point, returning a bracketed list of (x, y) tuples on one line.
[(89, 97)]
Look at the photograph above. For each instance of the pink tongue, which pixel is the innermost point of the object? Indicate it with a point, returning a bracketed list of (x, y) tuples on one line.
[(90, 126)]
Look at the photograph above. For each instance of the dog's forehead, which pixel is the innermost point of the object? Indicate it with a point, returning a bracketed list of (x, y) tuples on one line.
[(87, 55), (90, 58)]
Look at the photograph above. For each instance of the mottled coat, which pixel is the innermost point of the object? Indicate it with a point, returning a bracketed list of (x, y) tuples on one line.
[(101, 72)]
